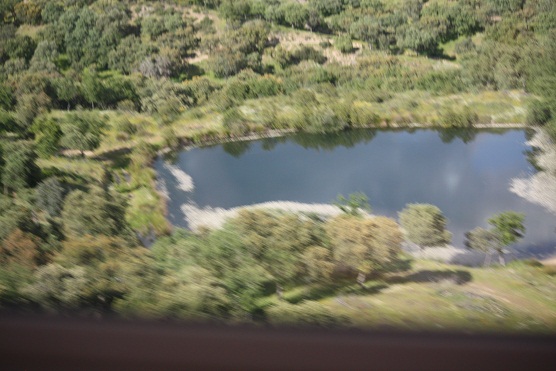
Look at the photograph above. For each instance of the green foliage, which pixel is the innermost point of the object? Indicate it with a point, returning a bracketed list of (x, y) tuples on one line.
[(443, 82), (93, 213), (327, 7), (344, 44), (50, 195), (464, 46), (12, 279), (227, 63), (354, 204), (194, 293), (508, 226), (28, 12), (234, 122), (463, 118), (419, 38), (7, 122), (47, 136), (21, 47), (319, 264), (503, 6), (276, 241), (19, 170), (538, 113), (6, 97), (82, 131), (482, 240), (424, 225), (16, 216), (295, 14), (365, 245), (57, 288), (235, 10), (128, 55), (67, 90)]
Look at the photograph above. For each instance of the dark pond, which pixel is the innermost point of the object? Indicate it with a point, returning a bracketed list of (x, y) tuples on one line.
[(466, 174)]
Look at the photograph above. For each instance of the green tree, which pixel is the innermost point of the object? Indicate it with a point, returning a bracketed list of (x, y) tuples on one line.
[(16, 215), (227, 62), (28, 12), (47, 136), (318, 262), (344, 44), (482, 240), (127, 57), (91, 87), (44, 57), (57, 288), (51, 12), (67, 90), (355, 204), (6, 97), (29, 106), (20, 170), (112, 268), (276, 242), (538, 113), (419, 38), (508, 227), (8, 122), (295, 14), (365, 245), (50, 196), (424, 225), (96, 212), (192, 292), (235, 10), (327, 7), (21, 47), (153, 27), (82, 131)]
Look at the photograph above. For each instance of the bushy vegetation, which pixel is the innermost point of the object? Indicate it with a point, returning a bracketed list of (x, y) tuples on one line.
[(424, 225)]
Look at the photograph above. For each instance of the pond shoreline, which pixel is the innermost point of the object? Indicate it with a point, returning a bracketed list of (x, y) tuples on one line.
[(278, 133)]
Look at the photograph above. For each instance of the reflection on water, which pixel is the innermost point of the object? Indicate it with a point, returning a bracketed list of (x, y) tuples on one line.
[(465, 173)]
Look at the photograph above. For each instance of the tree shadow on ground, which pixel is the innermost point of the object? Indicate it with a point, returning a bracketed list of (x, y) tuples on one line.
[(322, 292), (72, 180), (424, 276), (119, 158), (312, 293), (376, 286)]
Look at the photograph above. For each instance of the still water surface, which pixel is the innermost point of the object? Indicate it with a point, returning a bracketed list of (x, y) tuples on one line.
[(466, 174)]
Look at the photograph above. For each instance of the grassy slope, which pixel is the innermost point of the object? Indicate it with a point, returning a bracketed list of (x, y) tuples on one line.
[(427, 297)]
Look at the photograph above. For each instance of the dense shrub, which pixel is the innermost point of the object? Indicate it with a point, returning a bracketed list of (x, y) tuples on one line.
[(234, 122), (344, 44), (444, 81), (457, 118), (538, 113), (362, 115), (424, 225)]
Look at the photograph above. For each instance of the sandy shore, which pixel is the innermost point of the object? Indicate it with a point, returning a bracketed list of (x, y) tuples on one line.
[(215, 217), (540, 188)]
